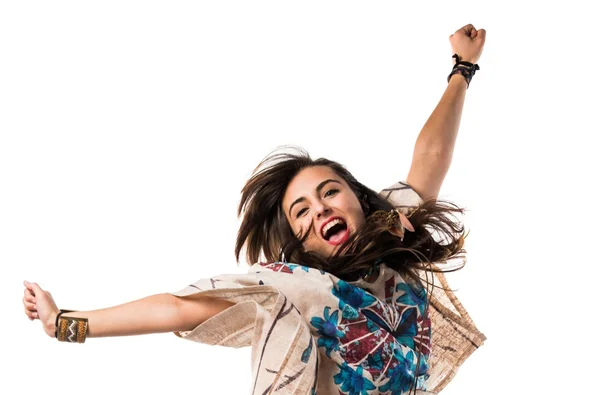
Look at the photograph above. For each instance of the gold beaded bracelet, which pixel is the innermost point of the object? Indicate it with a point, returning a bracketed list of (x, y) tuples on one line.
[(70, 329)]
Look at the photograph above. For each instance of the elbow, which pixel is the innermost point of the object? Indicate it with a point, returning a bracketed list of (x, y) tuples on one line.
[(435, 154), (174, 313), (193, 310), (182, 315)]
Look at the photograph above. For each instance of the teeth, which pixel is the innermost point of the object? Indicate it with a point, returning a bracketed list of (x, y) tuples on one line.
[(330, 224)]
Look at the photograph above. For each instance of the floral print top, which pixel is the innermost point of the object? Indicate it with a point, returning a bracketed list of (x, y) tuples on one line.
[(373, 338), (313, 333)]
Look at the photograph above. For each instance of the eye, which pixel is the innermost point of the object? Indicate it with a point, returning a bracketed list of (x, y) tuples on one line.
[(302, 211), (331, 192)]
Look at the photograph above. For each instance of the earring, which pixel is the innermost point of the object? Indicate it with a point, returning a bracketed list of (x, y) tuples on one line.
[(404, 224), (395, 221)]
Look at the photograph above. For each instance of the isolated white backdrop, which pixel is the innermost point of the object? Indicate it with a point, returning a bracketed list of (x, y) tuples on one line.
[(129, 128)]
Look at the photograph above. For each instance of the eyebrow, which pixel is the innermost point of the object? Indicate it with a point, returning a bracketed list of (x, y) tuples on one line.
[(319, 187)]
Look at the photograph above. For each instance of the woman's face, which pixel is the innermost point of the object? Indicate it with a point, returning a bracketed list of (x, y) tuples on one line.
[(319, 196)]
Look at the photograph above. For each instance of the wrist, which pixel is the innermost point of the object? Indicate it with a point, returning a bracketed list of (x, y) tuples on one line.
[(70, 329), (466, 69), (471, 58), (50, 323), (458, 79)]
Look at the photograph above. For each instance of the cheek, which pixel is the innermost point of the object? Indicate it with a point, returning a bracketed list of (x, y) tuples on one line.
[(300, 227), (358, 215), (296, 230)]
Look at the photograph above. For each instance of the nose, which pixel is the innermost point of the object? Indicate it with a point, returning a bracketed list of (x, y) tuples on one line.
[(321, 209)]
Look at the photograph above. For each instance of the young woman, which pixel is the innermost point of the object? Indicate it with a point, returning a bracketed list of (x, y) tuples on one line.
[(349, 296)]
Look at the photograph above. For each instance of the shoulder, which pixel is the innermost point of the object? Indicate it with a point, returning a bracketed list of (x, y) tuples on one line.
[(289, 272)]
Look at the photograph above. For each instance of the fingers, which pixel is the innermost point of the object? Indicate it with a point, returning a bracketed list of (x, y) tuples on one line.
[(32, 315), (481, 34), (33, 287), (28, 297), (467, 29), (29, 300), (29, 306), (30, 309), (464, 30), (29, 303), (470, 31)]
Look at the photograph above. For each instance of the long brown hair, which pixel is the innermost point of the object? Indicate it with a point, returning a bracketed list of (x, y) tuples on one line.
[(266, 234)]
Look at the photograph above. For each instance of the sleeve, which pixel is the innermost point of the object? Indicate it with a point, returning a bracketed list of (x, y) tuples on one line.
[(402, 196), (234, 326), (454, 335), (263, 318)]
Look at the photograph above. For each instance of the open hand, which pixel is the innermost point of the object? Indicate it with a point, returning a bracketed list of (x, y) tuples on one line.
[(468, 43), (40, 305)]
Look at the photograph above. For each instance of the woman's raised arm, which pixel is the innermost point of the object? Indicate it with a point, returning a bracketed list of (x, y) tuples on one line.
[(153, 314), (435, 145)]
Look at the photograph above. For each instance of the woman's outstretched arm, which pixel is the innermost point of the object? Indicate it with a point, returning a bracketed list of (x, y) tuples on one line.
[(153, 314), (435, 144)]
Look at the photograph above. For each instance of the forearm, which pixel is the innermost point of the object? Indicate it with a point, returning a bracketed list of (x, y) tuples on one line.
[(153, 314), (438, 135)]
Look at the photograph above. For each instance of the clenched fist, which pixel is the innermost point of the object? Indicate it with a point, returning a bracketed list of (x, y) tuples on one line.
[(468, 43), (40, 305)]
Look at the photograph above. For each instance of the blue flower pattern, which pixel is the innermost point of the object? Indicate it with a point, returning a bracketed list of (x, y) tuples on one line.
[(352, 381), (371, 340), (410, 297), (402, 375), (357, 304), (327, 327)]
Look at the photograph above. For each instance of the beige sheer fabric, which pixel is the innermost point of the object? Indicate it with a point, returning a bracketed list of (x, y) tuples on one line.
[(272, 314), (454, 334)]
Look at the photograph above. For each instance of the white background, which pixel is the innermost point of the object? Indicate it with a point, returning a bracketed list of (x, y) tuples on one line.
[(129, 128)]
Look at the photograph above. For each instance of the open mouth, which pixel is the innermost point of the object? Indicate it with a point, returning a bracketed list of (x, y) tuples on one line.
[(335, 232)]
